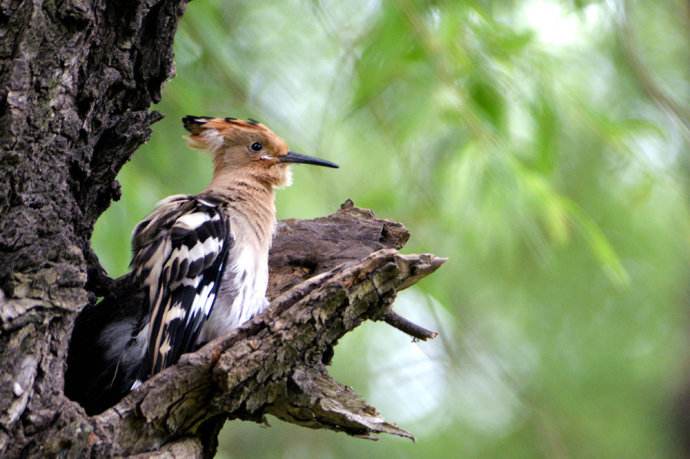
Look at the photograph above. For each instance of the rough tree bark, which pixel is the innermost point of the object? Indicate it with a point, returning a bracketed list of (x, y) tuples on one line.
[(76, 80)]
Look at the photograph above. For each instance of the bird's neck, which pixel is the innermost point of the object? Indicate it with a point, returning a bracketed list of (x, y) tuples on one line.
[(254, 181), (247, 194)]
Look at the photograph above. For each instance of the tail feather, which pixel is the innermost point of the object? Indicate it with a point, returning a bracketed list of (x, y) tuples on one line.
[(100, 370)]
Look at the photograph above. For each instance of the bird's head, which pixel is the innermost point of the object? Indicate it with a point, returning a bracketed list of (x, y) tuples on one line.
[(245, 146)]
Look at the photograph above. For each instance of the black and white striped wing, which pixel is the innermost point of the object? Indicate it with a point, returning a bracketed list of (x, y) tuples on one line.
[(179, 256)]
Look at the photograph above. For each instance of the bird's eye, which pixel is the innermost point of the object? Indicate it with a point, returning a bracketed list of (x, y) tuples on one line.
[(256, 146)]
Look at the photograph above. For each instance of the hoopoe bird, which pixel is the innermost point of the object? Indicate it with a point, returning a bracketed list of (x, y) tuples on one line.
[(200, 265)]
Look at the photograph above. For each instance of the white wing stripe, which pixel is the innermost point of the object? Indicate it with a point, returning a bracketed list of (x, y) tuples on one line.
[(194, 220), (191, 282), (199, 304), (200, 250), (176, 312)]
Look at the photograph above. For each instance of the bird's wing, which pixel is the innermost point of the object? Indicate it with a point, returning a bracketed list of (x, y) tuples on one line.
[(180, 253)]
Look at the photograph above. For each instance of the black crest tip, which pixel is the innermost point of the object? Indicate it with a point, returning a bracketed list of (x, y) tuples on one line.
[(193, 123)]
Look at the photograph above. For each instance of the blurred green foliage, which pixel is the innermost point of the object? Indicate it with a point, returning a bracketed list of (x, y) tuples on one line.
[(541, 145)]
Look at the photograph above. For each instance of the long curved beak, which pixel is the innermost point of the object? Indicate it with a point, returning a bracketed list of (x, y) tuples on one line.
[(293, 157)]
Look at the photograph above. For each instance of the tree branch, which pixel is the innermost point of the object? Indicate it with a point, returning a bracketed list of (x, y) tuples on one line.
[(276, 363), (404, 325)]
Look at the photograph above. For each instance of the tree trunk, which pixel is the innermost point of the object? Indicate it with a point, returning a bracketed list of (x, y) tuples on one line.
[(76, 80)]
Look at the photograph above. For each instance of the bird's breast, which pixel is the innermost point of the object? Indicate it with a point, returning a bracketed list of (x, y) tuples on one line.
[(242, 292)]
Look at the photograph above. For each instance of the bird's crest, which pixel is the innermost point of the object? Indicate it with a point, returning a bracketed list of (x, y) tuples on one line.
[(210, 133), (197, 124)]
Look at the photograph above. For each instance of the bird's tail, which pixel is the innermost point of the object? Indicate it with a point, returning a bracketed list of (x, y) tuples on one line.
[(100, 364)]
